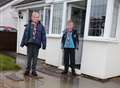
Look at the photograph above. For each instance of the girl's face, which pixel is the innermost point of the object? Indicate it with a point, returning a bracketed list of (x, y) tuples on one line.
[(70, 26)]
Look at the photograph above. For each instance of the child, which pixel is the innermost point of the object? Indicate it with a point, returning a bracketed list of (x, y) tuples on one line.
[(34, 38), (69, 44)]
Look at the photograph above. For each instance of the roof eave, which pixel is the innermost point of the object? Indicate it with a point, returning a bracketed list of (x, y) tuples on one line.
[(28, 4)]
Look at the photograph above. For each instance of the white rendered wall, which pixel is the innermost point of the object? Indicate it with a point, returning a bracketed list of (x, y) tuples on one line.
[(21, 23), (113, 60), (101, 56), (8, 17), (113, 56), (53, 53), (93, 59), (101, 59)]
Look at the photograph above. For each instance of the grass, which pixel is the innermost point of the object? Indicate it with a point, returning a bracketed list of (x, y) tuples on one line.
[(7, 63)]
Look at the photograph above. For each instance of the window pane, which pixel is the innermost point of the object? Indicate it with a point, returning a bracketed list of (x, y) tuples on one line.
[(97, 17), (47, 19), (57, 18), (41, 11), (115, 18), (78, 16)]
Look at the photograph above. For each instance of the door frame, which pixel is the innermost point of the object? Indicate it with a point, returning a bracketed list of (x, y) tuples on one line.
[(70, 6), (64, 19)]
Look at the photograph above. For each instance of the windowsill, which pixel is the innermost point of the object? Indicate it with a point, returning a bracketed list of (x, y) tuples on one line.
[(54, 36), (102, 39), (92, 39)]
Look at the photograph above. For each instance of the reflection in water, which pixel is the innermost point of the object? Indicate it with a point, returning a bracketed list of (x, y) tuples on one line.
[(33, 83), (69, 82)]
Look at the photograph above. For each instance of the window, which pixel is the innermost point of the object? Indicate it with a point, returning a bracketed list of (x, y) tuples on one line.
[(115, 18), (41, 11), (97, 17), (78, 17), (47, 19), (57, 18)]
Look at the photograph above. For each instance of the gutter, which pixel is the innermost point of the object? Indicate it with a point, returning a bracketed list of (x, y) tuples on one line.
[(10, 4), (29, 4)]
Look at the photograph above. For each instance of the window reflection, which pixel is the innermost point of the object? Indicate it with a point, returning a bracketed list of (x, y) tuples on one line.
[(97, 17)]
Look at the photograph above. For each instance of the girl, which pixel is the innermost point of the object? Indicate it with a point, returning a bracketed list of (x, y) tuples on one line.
[(69, 44)]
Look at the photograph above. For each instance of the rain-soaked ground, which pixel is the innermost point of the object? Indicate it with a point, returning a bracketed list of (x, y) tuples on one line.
[(50, 79)]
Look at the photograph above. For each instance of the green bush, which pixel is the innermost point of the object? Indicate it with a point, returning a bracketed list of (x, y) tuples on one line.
[(7, 63)]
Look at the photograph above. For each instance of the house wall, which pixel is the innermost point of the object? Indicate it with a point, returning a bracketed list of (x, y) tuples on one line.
[(93, 60), (8, 17), (20, 27), (100, 55), (113, 56), (113, 60), (101, 59), (53, 53), (8, 14)]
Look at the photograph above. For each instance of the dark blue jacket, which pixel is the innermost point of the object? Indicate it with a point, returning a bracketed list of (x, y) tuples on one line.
[(40, 39), (74, 37)]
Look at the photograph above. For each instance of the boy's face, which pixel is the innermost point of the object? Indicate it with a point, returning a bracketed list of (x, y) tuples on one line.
[(35, 17), (70, 26)]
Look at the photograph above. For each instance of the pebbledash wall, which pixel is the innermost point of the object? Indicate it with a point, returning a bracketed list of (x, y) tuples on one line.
[(101, 47)]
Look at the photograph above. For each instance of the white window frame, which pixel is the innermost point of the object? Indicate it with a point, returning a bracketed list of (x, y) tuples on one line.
[(107, 29), (64, 17), (105, 38), (116, 36), (50, 27), (51, 20), (65, 13), (87, 22), (109, 14), (47, 7)]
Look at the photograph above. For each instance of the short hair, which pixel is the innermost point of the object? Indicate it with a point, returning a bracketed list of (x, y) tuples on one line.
[(70, 21), (34, 13)]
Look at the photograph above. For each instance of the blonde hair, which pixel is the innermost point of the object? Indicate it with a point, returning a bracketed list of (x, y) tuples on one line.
[(35, 13), (69, 22)]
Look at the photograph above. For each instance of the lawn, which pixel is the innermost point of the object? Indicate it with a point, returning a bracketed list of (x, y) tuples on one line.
[(7, 63)]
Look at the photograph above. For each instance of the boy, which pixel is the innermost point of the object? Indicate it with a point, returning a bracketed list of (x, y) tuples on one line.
[(34, 38)]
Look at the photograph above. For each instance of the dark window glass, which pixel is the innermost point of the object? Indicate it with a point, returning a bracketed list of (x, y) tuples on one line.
[(97, 17)]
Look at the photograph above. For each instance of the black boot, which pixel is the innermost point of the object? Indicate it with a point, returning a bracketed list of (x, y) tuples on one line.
[(64, 72), (27, 73), (34, 74), (73, 72)]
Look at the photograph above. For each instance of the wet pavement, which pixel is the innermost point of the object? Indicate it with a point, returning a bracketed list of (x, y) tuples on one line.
[(17, 80)]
